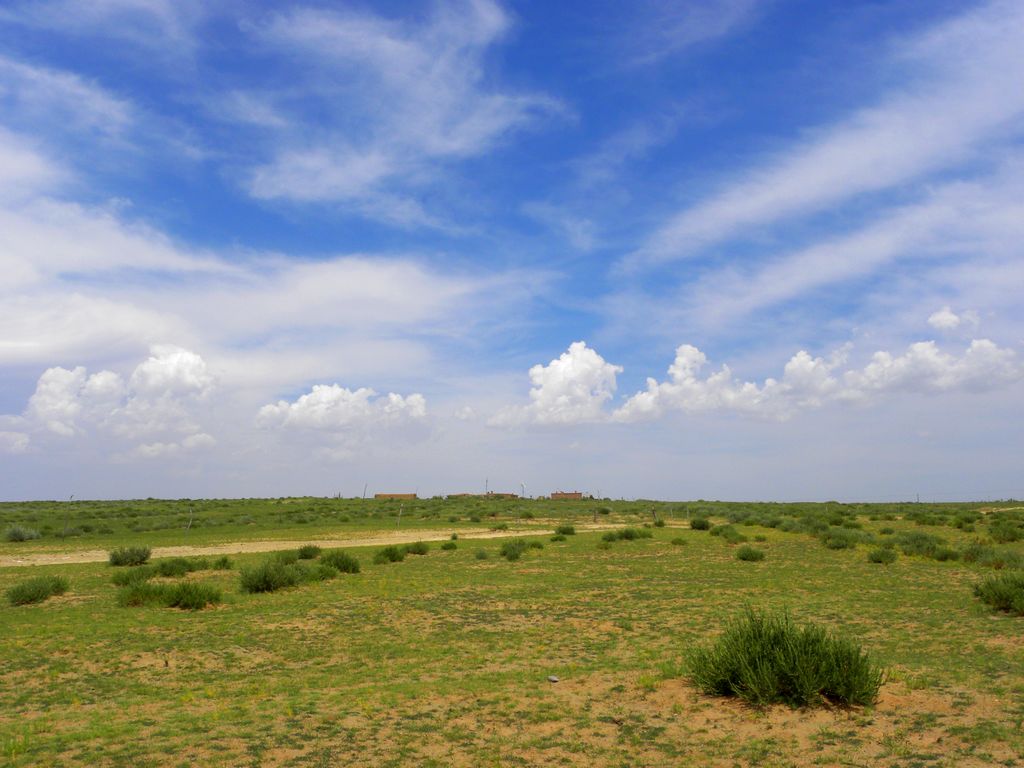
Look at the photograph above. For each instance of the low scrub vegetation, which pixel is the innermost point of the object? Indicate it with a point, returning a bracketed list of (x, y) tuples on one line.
[(565, 530), (417, 548), (700, 524), (275, 574), (36, 590), (130, 556), (728, 533), (749, 553), (449, 546), (20, 533), (308, 552), (765, 658), (343, 562), (186, 595), (390, 554), (882, 555), (1004, 592), (627, 534)]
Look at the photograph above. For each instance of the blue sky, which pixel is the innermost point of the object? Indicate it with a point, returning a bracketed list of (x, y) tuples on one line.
[(729, 249)]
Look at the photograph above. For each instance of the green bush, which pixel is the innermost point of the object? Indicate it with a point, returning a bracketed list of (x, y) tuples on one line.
[(187, 595), (129, 556), (678, 541), (882, 555), (481, 554), (558, 537), (1004, 532), (275, 574), (222, 563), (448, 546), (728, 533), (659, 523), (133, 575), (391, 554), (287, 557), (765, 658), (840, 538), (942, 554), (534, 544), (700, 524), (1004, 592), (565, 530), (308, 552), (990, 557), (175, 567), (918, 543), (627, 534), (513, 549), (37, 589), (749, 554), (500, 527), (20, 533), (343, 562), (417, 548), (454, 537)]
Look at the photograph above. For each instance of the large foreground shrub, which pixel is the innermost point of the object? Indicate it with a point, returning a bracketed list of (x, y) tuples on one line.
[(37, 589), (129, 556), (1004, 592), (764, 658)]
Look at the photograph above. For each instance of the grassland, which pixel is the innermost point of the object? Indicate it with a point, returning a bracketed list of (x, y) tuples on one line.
[(444, 658)]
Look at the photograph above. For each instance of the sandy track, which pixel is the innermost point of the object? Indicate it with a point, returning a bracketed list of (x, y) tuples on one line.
[(372, 539)]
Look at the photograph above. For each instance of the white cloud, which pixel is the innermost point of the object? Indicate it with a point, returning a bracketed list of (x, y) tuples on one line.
[(400, 97), (571, 389), (944, 319), (662, 29), (14, 442), (158, 398), (336, 408), (159, 450), (811, 382), (967, 71)]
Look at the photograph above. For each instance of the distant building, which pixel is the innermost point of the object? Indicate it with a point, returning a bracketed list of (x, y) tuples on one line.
[(401, 496), (567, 496)]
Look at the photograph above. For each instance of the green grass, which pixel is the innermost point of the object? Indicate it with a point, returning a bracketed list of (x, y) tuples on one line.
[(766, 658), (444, 660)]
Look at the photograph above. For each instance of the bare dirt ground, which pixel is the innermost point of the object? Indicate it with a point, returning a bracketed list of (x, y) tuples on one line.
[(370, 539)]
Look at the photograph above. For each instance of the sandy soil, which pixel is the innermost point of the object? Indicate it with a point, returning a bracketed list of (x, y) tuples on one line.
[(370, 539)]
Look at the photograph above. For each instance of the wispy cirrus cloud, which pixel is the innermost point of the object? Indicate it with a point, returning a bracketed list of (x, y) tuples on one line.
[(960, 92)]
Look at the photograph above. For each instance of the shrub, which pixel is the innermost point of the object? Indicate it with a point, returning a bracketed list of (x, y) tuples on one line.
[(989, 556), (1004, 592), (269, 576), (481, 554), (678, 541), (222, 563), (37, 589), (728, 533), (130, 556), (839, 538), (308, 552), (918, 543), (133, 576), (178, 566), (627, 534), (342, 562), (513, 549), (558, 537), (946, 553), (1004, 532), (454, 537), (287, 557), (882, 555), (565, 530), (500, 527), (391, 554), (749, 553), (187, 595), (417, 548), (535, 545), (20, 533), (700, 524), (765, 658), (448, 546), (659, 523), (887, 531)]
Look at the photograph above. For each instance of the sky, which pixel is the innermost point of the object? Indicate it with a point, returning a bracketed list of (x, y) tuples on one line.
[(727, 249)]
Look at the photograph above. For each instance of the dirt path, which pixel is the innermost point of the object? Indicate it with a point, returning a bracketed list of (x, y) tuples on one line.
[(371, 539)]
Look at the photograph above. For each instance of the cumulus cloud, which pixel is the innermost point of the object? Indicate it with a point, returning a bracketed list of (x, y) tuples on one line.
[(336, 408), (811, 382), (157, 398), (571, 389), (946, 319)]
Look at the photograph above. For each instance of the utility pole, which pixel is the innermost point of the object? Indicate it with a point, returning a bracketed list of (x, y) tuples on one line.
[(67, 512), (364, 491), (400, 508)]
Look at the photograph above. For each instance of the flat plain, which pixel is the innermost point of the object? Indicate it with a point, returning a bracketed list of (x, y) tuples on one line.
[(444, 658)]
